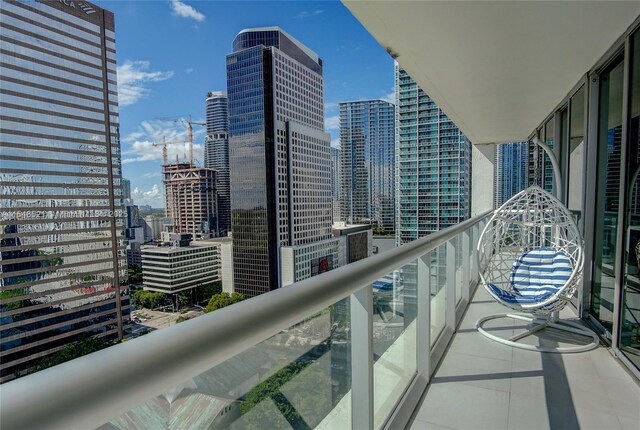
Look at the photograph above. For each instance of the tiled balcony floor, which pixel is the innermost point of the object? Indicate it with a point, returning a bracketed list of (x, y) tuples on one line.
[(482, 384)]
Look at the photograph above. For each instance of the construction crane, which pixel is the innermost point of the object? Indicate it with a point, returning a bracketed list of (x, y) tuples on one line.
[(190, 123), (164, 149)]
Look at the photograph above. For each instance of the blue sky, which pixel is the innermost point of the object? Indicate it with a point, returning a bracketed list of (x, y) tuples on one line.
[(171, 53)]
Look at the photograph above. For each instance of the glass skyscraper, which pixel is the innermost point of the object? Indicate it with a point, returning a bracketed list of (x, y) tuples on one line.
[(367, 141), (335, 181), (433, 165), (279, 154), (510, 171), (61, 208), (216, 154)]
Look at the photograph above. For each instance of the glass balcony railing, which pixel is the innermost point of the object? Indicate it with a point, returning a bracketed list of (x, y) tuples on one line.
[(351, 348)]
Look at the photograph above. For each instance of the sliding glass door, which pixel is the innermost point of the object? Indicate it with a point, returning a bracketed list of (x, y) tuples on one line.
[(607, 193), (630, 307)]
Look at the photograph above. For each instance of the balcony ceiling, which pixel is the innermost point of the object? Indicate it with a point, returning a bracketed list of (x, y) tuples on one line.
[(496, 68)]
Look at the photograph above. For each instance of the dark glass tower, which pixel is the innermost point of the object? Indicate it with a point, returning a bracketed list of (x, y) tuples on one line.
[(216, 155), (279, 154)]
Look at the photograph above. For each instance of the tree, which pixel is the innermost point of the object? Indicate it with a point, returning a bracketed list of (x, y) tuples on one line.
[(311, 384), (221, 300), (73, 350), (148, 299), (205, 292), (134, 275), (183, 298)]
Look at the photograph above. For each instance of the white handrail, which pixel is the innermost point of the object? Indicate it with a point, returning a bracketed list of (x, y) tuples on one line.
[(93, 389)]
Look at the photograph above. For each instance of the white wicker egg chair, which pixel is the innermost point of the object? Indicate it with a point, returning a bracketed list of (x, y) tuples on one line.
[(532, 254)]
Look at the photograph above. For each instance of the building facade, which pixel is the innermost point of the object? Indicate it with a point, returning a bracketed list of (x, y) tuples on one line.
[(279, 154), (335, 180), (153, 228), (62, 243), (216, 154), (134, 224), (190, 199), (172, 269), (304, 261), (510, 171), (433, 165), (367, 143), (126, 189)]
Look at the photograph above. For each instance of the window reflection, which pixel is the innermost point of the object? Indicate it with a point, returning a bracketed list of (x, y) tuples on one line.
[(576, 156), (608, 190), (630, 312)]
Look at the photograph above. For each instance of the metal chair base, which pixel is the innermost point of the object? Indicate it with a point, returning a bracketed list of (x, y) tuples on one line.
[(538, 325)]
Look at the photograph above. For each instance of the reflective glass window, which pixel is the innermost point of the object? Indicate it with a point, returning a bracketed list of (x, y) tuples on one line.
[(630, 309), (608, 193), (26, 89)]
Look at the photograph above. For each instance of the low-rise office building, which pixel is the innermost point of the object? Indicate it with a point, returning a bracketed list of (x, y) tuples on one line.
[(172, 269)]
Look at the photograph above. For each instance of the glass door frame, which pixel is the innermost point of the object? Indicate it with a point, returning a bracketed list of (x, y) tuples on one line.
[(620, 51)]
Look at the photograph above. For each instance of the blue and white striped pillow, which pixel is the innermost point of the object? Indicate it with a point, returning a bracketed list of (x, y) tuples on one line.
[(540, 273)]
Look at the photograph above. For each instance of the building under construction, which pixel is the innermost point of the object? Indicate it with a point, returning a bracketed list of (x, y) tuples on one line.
[(190, 199)]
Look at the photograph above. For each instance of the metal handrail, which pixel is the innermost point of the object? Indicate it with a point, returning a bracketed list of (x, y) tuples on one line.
[(93, 389)]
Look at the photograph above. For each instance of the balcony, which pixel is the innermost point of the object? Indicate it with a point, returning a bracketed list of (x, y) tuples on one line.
[(508, 388), (357, 347)]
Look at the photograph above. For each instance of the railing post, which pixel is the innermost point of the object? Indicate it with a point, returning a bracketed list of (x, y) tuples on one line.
[(475, 230), (466, 256), (423, 328), (450, 298), (362, 359)]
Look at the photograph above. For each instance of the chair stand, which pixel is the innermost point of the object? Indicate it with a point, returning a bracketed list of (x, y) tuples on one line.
[(539, 324)]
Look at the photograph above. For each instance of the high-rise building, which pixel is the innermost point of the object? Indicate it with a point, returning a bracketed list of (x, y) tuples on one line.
[(62, 243), (367, 142), (134, 224), (216, 154), (510, 171), (335, 180), (126, 189), (433, 165), (190, 199), (279, 156), (217, 112), (153, 228)]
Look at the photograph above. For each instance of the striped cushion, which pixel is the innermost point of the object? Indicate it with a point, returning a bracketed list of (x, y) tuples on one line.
[(535, 276)]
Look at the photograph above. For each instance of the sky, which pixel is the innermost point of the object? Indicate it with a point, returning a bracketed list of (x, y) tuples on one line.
[(171, 53)]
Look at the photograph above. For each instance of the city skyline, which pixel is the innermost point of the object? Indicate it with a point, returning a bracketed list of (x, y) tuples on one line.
[(166, 76)]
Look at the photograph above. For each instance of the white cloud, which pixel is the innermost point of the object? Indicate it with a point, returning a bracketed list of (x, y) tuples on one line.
[(332, 123), (335, 142), (185, 11), (189, 70), (132, 75), (390, 97), (153, 197), (140, 143), (309, 14), (330, 106)]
